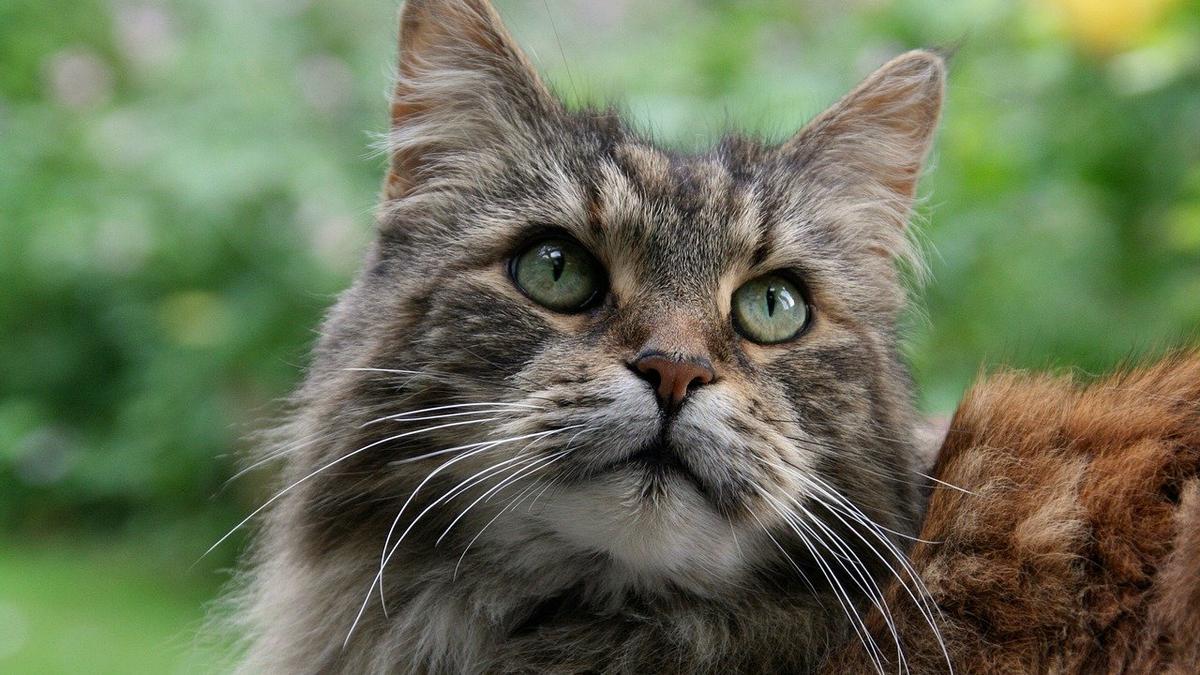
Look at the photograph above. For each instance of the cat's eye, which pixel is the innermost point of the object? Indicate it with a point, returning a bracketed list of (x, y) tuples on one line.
[(559, 274), (770, 309)]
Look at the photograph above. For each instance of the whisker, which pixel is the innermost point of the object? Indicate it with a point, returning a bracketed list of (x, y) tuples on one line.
[(520, 458), (379, 576), (863, 574), (522, 472), (479, 534), (570, 442), (949, 485), (923, 600), (839, 591), (432, 417), (823, 486), (512, 504), (462, 487), (868, 643), (471, 450), (280, 452), (868, 434), (803, 577), (806, 477), (814, 443), (406, 416), (479, 447), (274, 455), (322, 468)]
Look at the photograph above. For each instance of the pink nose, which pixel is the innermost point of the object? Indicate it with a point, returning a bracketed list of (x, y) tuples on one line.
[(673, 378)]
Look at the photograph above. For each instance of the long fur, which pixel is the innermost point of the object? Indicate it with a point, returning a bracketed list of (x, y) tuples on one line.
[(448, 499), (1071, 543), (514, 534)]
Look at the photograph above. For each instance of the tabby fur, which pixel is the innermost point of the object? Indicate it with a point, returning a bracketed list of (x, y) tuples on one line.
[(359, 566)]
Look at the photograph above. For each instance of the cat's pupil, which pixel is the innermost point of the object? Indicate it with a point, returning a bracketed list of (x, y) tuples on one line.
[(558, 262), (770, 301)]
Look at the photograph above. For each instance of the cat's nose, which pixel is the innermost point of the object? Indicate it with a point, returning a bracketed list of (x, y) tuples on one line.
[(673, 377)]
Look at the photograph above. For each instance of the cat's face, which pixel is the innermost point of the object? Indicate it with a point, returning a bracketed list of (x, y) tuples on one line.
[(668, 353)]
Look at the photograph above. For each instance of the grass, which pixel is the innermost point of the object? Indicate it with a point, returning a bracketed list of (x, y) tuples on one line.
[(100, 607)]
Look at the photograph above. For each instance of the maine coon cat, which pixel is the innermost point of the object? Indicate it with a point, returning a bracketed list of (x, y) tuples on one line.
[(1070, 543), (594, 406)]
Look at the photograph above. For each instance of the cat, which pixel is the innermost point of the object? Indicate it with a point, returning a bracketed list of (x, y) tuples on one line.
[(1070, 542), (596, 406)]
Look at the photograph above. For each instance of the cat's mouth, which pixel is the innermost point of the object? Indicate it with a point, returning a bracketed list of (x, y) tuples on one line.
[(659, 461)]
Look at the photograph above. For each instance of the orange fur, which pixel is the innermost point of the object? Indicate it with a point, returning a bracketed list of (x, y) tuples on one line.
[(1078, 550)]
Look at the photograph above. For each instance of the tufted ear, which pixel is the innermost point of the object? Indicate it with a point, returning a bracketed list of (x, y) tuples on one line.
[(462, 82), (867, 150)]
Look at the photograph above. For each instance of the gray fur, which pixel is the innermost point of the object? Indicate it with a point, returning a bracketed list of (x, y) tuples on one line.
[(598, 569)]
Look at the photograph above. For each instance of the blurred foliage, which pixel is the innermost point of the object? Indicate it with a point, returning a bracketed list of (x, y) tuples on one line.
[(185, 185), (102, 608)]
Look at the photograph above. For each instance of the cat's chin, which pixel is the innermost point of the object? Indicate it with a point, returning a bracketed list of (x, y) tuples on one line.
[(658, 468), (674, 533)]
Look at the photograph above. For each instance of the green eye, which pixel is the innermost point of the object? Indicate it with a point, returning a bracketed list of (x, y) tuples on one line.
[(558, 274), (769, 309)]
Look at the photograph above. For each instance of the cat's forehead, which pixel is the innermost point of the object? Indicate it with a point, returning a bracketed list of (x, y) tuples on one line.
[(676, 221)]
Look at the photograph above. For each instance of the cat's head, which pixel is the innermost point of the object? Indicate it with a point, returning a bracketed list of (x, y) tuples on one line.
[(674, 354)]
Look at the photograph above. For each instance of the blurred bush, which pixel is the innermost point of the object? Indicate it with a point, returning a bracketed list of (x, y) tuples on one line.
[(185, 185)]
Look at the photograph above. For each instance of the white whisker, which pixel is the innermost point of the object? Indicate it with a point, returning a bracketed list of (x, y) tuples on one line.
[(523, 471), (839, 591), (407, 416), (379, 575), (395, 371), (949, 485), (274, 455), (861, 573), (478, 448), (470, 451), (803, 576), (322, 468), (486, 525), (521, 458), (923, 599)]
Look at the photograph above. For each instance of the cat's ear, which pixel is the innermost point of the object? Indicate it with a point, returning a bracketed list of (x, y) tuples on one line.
[(870, 146), (461, 85)]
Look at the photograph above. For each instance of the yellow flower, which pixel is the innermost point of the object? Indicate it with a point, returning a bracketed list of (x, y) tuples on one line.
[(1110, 26)]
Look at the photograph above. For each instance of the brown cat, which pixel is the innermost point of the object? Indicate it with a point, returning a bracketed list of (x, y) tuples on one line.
[(595, 406), (1073, 545)]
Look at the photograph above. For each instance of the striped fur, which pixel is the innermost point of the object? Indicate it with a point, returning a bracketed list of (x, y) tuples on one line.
[(597, 570)]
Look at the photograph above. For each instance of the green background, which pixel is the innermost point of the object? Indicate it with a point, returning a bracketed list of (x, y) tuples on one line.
[(185, 185)]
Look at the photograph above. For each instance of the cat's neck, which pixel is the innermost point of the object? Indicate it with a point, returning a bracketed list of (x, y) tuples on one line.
[(495, 612)]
